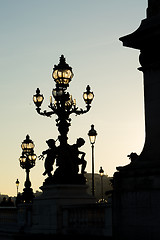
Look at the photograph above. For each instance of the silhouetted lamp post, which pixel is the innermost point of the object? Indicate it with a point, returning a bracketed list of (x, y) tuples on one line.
[(63, 106), (27, 161), (101, 171), (17, 185), (92, 137)]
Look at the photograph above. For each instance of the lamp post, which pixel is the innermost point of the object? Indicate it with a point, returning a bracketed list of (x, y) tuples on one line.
[(63, 106), (101, 171), (27, 161), (92, 137), (17, 185)]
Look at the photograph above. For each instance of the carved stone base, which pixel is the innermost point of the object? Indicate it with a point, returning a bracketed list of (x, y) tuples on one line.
[(47, 209), (71, 179)]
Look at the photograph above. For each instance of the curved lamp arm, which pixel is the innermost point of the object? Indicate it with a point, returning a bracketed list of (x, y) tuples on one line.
[(80, 111), (45, 113)]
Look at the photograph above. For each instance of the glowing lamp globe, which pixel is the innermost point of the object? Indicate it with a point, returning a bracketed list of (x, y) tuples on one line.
[(88, 96), (62, 73), (38, 98), (92, 134), (27, 145)]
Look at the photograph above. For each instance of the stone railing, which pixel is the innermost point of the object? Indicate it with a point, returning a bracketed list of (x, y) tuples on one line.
[(93, 219), (8, 219), (8, 215), (90, 219)]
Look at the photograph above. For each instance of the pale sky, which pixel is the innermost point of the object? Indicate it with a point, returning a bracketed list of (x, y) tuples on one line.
[(34, 33)]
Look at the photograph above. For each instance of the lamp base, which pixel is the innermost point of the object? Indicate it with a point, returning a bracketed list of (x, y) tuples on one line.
[(49, 216), (27, 195), (65, 178)]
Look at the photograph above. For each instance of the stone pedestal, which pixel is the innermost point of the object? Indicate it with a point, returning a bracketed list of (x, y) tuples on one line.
[(136, 208), (47, 209)]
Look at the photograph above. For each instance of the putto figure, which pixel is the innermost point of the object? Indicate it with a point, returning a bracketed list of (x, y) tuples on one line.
[(75, 154), (51, 154)]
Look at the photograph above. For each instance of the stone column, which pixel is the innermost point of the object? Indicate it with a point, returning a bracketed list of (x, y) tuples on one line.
[(147, 39), (153, 8), (136, 210)]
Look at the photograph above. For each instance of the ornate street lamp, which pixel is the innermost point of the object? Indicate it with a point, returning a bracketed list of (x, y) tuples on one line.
[(92, 137), (27, 161), (17, 185), (63, 106)]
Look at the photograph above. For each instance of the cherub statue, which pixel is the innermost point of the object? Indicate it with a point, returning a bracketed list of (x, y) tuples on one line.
[(51, 153), (75, 154)]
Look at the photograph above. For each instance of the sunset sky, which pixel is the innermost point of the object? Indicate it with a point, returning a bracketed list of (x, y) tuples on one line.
[(34, 33)]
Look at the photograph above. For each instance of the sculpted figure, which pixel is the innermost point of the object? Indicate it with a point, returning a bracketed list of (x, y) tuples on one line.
[(77, 155), (133, 156), (51, 154)]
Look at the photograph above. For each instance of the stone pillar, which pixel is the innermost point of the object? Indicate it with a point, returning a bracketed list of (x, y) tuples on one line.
[(153, 8), (136, 208)]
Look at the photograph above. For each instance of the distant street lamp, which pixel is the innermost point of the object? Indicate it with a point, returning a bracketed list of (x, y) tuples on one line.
[(17, 185), (92, 137), (101, 171), (27, 161)]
